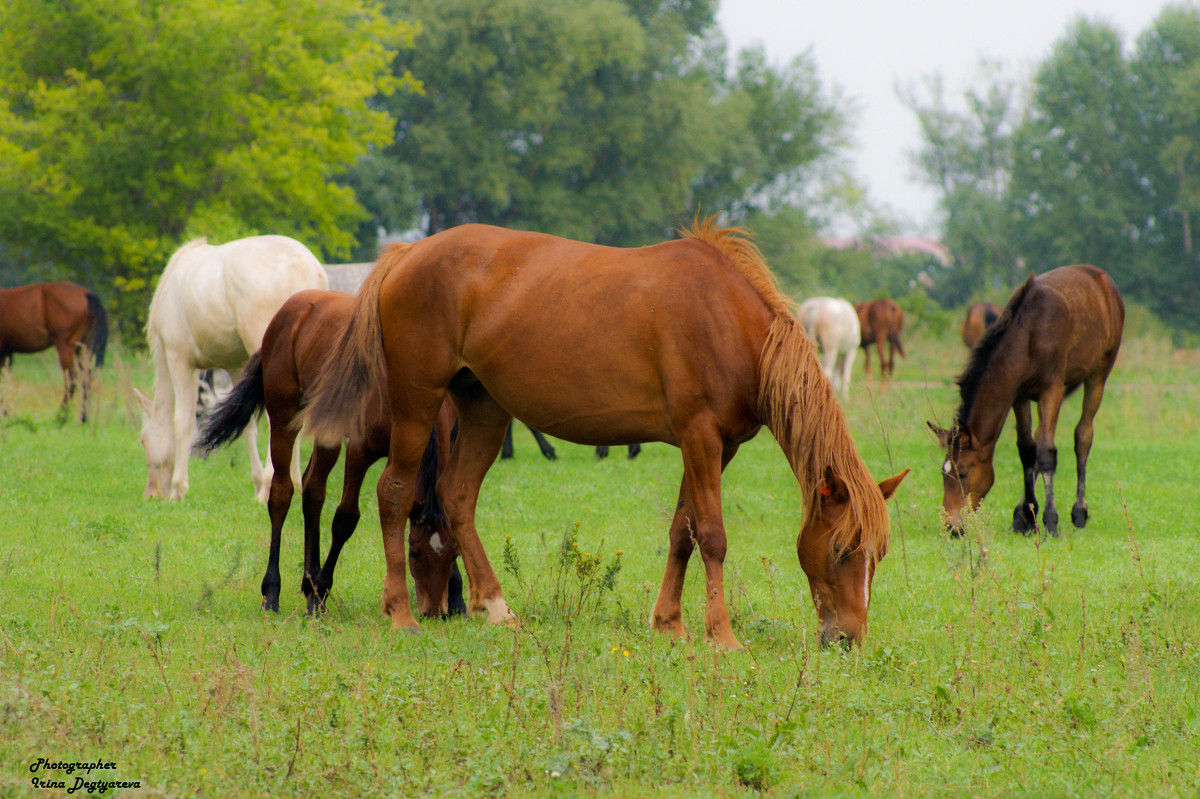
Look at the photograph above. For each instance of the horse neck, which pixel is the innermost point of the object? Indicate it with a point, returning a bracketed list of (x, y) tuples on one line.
[(995, 395), (797, 404), (164, 388)]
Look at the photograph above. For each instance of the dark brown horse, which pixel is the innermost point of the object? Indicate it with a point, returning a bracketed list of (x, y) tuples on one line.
[(979, 317), (704, 352), (880, 320), (1060, 330), (295, 347), (62, 315)]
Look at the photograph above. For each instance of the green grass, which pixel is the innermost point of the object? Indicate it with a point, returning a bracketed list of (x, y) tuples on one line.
[(995, 665)]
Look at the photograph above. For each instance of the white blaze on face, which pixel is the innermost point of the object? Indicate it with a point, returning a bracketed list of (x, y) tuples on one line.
[(435, 543), (947, 467)]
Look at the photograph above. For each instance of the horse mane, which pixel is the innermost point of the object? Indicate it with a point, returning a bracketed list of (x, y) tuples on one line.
[(736, 245), (797, 404), (971, 379)]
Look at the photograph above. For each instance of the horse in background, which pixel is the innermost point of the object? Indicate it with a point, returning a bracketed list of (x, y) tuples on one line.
[(979, 318), (547, 449), (211, 307), (880, 320), (1060, 330), (833, 323), (62, 315), (704, 353), (277, 378)]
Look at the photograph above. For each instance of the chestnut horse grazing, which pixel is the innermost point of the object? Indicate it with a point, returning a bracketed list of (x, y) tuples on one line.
[(277, 377), (209, 311), (833, 323), (62, 315), (881, 320), (704, 352), (1059, 330), (979, 317)]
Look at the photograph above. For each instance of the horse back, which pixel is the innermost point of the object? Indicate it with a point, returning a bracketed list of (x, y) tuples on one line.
[(1073, 317), (561, 332)]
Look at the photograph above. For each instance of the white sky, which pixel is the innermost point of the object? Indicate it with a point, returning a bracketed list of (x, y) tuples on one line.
[(866, 47)]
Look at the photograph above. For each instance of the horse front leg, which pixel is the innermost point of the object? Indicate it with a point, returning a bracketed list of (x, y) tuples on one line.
[(184, 383), (703, 463), (1047, 456), (345, 518), (1025, 514), (481, 426)]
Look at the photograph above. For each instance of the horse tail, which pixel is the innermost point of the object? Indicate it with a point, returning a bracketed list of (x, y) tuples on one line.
[(427, 509), (797, 404), (99, 328), (229, 417), (355, 366), (894, 337)]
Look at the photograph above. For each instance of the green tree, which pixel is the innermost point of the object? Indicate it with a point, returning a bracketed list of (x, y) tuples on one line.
[(127, 125), (605, 120), (966, 155), (1079, 161)]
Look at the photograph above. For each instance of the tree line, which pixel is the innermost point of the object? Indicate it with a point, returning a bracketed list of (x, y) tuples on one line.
[(1094, 159), (128, 127)]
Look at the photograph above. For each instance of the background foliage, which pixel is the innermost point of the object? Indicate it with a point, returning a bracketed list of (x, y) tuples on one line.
[(128, 127)]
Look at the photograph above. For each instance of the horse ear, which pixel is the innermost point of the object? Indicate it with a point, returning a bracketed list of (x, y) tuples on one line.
[(943, 436), (889, 486), (834, 487), (146, 403)]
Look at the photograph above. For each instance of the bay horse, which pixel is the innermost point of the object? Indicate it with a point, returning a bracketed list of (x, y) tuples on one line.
[(1060, 330), (833, 324), (704, 352), (880, 320), (979, 317), (277, 378), (209, 311), (62, 315)]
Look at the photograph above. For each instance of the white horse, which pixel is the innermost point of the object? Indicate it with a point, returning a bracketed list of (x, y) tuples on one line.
[(210, 310), (833, 323)]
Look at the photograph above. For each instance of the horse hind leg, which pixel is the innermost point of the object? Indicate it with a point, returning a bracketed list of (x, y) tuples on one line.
[(279, 501), (1093, 392), (482, 423), (312, 501)]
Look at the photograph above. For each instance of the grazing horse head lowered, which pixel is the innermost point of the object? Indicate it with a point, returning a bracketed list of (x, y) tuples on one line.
[(1060, 330), (704, 353)]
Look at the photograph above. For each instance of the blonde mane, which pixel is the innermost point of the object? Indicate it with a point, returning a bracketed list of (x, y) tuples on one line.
[(797, 404)]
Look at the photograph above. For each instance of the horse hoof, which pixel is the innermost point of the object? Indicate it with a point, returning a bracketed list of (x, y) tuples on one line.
[(1024, 519), (270, 604), (1079, 516), (1051, 522)]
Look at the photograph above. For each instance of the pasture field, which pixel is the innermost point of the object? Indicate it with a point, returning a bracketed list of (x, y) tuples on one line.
[(995, 665)]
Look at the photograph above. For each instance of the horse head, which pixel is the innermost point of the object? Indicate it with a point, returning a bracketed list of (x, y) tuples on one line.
[(431, 555), (967, 473), (839, 577), (158, 443)]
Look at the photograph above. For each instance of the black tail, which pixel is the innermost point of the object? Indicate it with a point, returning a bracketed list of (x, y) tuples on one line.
[(895, 339), (99, 328), (427, 510), (230, 416)]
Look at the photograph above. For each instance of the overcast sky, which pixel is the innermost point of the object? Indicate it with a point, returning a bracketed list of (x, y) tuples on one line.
[(867, 46)]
